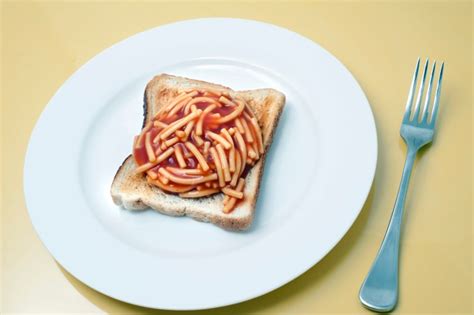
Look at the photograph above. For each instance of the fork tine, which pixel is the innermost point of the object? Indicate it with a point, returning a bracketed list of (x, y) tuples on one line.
[(420, 92), (424, 114), (434, 115), (406, 117)]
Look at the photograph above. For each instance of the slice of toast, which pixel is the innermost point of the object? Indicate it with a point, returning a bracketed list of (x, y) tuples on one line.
[(132, 191)]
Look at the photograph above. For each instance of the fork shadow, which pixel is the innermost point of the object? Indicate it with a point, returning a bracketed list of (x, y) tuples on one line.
[(311, 278)]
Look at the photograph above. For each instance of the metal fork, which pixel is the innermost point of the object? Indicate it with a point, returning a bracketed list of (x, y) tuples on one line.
[(379, 292)]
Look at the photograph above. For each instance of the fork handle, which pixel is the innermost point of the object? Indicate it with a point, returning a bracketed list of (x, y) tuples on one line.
[(379, 292)]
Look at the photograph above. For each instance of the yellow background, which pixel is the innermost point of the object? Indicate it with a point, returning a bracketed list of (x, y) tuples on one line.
[(43, 43)]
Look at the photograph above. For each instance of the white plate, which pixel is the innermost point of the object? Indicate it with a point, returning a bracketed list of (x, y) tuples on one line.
[(319, 170)]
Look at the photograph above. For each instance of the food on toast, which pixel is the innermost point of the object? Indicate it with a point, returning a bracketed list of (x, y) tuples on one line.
[(203, 142)]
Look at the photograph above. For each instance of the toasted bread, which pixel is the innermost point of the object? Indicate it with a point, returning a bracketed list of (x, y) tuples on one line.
[(132, 191)]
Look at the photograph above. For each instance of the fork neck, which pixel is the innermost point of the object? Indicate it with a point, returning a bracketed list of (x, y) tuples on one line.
[(407, 170), (412, 151)]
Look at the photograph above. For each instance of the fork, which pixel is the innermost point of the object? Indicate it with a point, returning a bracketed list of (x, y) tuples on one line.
[(379, 291)]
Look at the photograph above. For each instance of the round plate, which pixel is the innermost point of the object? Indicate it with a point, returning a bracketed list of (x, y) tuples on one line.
[(317, 176)]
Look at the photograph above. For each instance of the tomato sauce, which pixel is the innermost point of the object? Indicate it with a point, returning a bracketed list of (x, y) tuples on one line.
[(161, 147)]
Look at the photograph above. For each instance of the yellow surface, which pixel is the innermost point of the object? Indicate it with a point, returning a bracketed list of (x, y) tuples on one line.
[(45, 42)]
